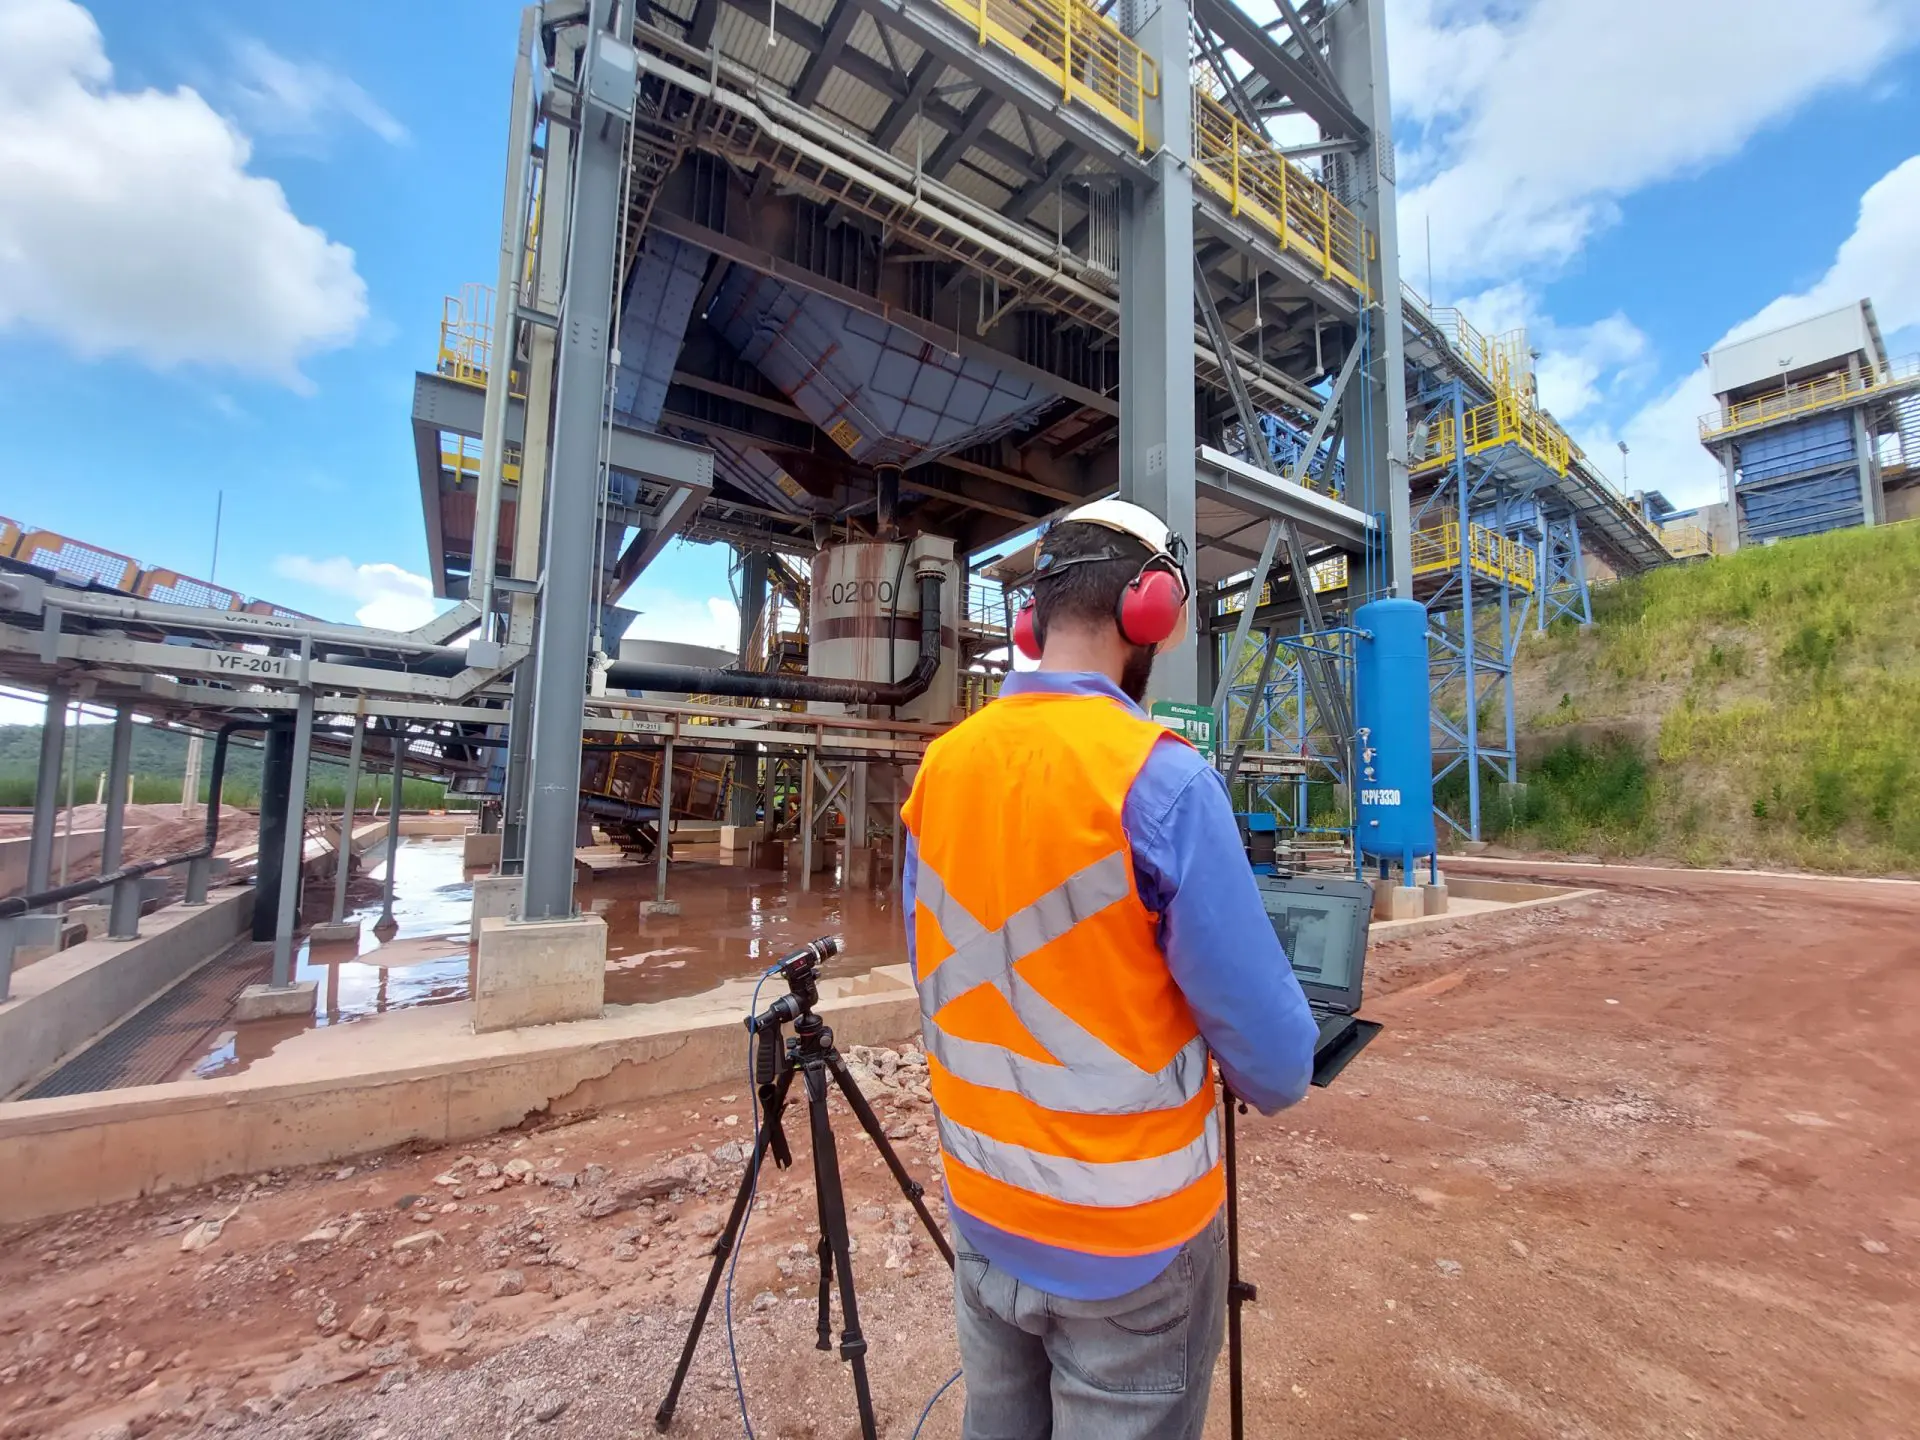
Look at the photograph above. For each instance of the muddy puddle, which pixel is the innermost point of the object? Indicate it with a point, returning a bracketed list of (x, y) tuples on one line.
[(732, 924)]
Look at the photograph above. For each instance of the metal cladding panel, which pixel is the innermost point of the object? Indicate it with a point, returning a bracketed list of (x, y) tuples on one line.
[(1393, 796), (1822, 444), (753, 472), (880, 392), (1808, 506), (1821, 342), (653, 321)]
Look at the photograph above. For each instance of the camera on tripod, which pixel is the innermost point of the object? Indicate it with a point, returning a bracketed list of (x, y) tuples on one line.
[(777, 1060)]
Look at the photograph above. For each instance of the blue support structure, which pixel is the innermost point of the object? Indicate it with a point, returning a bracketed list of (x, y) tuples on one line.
[(1563, 573)]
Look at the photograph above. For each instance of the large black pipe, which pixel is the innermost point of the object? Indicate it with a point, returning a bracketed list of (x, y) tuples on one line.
[(701, 680)]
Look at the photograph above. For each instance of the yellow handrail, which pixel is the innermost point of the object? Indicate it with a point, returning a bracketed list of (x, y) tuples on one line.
[(1091, 58), (466, 335), (1508, 419), (1242, 166), (1793, 399), (1436, 549)]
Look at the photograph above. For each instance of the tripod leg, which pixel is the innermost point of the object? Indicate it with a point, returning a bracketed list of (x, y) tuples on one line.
[(1238, 1290), (833, 1231), (723, 1249), (870, 1122)]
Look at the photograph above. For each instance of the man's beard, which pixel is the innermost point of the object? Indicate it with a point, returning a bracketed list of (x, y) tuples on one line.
[(1135, 674)]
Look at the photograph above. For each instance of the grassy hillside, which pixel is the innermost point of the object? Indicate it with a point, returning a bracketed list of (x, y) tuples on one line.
[(1763, 707), (159, 765)]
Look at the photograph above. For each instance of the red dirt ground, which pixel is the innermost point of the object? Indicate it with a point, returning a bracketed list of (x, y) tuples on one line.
[(1635, 1165)]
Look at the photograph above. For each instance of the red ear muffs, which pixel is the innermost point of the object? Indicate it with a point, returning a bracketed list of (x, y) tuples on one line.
[(1150, 606), (1024, 636)]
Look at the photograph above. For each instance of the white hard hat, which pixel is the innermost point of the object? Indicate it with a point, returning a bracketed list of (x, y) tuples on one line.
[(1129, 519)]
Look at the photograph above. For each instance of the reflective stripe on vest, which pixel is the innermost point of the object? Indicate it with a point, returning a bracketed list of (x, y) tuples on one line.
[(1090, 1079)]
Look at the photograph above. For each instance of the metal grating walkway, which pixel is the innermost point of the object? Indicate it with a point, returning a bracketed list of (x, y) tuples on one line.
[(154, 1043)]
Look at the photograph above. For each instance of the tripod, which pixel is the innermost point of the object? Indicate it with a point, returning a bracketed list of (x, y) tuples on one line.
[(810, 1053), (1239, 1291)]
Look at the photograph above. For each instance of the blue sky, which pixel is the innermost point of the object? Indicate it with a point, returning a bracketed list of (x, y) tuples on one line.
[(226, 229)]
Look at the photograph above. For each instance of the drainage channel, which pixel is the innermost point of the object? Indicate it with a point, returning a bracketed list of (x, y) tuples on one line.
[(154, 1043)]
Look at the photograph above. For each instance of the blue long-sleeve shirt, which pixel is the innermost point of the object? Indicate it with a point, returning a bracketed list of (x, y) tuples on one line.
[(1192, 873)]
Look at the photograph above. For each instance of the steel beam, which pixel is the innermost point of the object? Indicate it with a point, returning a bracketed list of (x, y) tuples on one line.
[(1157, 428), (119, 766), (1306, 84), (820, 65), (567, 602), (977, 117)]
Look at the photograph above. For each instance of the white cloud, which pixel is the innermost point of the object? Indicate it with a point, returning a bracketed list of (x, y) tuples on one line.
[(302, 100), (1875, 262), (1576, 366), (714, 621), (129, 224), (1539, 117), (385, 596)]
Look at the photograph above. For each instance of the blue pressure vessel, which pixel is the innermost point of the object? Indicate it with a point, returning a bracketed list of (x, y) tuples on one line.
[(1393, 788)]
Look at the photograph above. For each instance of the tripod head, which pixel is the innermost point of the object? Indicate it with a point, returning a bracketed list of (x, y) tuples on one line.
[(801, 970)]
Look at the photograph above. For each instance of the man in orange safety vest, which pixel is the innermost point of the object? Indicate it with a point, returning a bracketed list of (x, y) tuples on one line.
[(1088, 944)]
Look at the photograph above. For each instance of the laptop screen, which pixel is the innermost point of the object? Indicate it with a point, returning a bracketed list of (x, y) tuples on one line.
[(1322, 925)]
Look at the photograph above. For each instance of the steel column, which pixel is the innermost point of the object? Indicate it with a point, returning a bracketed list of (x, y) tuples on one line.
[(294, 854), (343, 856), (393, 828), (123, 919), (275, 774), (664, 848), (1157, 428), (1357, 44), (745, 796), (190, 781), (1470, 731), (806, 820), (1869, 477), (46, 791), (567, 604), (513, 226)]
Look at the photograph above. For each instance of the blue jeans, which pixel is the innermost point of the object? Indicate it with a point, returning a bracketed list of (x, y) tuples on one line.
[(1137, 1367)]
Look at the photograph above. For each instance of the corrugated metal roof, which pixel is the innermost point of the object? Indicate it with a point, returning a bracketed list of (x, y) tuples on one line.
[(816, 11), (743, 38), (921, 138), (854, 102), (866, 39), (1009, 178)]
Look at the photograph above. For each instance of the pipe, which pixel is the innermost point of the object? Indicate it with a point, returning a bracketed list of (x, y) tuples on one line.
[(703, 680)]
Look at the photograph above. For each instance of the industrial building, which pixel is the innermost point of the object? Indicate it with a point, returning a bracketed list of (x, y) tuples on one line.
[(1817, 429)]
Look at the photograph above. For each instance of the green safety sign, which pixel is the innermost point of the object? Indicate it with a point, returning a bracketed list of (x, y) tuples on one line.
[(1195, 722)]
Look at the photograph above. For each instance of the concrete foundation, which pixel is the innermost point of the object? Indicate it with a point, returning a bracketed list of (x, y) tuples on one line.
[(274, 1002), (538, 973), (861, 860), (347, 932), (660, 907), (1433, 898), (480, 852), (495, 897), (1394, 901), (93, 918)]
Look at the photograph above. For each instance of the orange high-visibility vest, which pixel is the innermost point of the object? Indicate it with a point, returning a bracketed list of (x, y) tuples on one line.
[(1074, 1092)]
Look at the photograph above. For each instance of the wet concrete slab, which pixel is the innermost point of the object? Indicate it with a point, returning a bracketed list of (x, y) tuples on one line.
[(732, 924)]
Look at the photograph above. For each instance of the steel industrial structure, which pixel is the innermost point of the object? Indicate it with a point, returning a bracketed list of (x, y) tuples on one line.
[(1004, 255)]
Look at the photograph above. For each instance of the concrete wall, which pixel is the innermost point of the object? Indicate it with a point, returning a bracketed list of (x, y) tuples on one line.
[(63, 1001), (69, 1153), (13, 858)]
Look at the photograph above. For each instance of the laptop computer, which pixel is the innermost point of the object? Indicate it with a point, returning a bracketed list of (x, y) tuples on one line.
[(1322, 923)]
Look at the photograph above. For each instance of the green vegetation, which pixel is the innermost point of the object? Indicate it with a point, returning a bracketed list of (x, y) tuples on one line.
[(160, 765), (1762, 708)]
